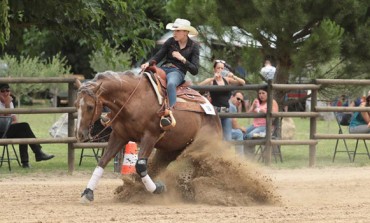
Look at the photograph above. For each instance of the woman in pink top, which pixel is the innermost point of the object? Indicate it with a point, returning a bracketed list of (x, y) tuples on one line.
[(259, 106)]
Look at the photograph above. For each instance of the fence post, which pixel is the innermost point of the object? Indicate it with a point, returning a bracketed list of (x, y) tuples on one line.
[(71, 127), (313, 125), (268, 149)]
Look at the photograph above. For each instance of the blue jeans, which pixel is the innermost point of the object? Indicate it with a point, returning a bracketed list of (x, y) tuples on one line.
[(359, 129), (252, 130), (174, 78), (226, 128), (237, 135)]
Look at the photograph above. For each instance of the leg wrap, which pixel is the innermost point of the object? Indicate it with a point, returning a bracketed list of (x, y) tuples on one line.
[(141, 167)]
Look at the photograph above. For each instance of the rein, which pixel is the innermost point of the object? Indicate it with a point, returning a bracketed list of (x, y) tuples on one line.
[(119, 111)]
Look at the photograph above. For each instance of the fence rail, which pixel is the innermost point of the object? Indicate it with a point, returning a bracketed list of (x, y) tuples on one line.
[(269, 115)]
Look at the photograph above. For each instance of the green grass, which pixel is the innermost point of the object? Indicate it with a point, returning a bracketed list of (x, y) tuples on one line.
[(298, 156), (293, 156)]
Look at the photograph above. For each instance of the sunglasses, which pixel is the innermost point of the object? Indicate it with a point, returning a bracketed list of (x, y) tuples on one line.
[(5, 90), (220, 61), (239, 99)]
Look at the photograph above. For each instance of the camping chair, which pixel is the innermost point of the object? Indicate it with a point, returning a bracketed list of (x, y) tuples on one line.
[(276, 150), (5, 122), (342, 121)]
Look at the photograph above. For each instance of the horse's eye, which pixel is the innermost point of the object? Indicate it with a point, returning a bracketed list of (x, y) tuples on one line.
[(90, 108)]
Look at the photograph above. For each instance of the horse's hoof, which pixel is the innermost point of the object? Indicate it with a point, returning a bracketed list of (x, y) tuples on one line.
[(160, 188), (87, 196)]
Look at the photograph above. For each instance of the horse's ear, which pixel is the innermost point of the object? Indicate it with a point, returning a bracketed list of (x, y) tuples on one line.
[(77, 83), (97, 87)]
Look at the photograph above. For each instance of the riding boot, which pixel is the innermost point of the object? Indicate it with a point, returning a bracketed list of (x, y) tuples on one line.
[(39, 154), (168, 120)]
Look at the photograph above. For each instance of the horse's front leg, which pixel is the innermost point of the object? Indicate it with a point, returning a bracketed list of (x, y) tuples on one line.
[(114, 146), (146, 148)]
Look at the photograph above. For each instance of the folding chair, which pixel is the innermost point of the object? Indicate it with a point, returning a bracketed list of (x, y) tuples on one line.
[(102, 137), (356, 153), (340, 131), (276, 150), (5, 122)]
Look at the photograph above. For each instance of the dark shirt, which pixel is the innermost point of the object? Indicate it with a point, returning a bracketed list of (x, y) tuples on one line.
[(220, 98), (190, 52)]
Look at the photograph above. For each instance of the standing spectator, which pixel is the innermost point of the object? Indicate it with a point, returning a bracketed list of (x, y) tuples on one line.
[(268, 71), (181, 55), (20, 130), (220, 99)]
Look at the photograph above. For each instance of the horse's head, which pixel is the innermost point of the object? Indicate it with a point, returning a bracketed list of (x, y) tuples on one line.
[(89, 108)]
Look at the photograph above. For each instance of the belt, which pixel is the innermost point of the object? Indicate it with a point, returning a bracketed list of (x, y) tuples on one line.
[(221, 109), (169, 65)]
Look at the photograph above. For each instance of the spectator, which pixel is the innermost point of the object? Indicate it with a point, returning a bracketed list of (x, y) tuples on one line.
[(237, 131), (220, 99), (259, 105), (20, 130), (360, 122), (181, 55), (268, 71)]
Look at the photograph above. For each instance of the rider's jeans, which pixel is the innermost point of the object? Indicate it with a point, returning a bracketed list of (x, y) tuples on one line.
[(226, 128), (174, 78)]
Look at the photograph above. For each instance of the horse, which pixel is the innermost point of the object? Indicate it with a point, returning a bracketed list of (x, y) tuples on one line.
[(134, 110)]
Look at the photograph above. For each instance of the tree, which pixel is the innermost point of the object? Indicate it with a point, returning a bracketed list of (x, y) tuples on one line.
[(77, 28), (300, 37)]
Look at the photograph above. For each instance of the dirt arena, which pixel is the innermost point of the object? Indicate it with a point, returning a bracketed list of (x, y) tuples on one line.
[(215, 187), (308, 195)]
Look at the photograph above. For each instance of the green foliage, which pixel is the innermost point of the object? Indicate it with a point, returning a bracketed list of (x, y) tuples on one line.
[(119, 61), (76, 28), (302, 38), (34, 67), (4, 26)]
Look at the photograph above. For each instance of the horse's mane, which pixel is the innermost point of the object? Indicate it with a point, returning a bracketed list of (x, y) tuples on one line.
[(106, 75), (111, 74)]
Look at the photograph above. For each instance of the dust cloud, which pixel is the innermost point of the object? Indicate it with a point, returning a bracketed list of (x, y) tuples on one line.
[(207, 172)]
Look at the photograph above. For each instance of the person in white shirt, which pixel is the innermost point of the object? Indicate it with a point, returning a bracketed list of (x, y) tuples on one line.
[(268, 71)]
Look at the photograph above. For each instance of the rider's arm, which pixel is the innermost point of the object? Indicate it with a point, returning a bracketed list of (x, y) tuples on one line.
[(192, 63)]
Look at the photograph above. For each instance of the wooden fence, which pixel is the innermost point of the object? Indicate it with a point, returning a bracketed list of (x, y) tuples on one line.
[(268, 141)]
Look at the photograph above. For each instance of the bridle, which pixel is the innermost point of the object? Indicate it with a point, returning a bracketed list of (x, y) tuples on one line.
[(99, 107)]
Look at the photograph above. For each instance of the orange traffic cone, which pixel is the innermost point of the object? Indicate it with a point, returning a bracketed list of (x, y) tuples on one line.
[(129, 159)]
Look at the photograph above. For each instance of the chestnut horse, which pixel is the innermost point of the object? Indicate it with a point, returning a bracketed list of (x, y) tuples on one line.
[(134, 117)]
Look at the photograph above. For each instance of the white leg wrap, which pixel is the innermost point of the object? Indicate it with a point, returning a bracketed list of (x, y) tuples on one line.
[(98, 173), (149, 184)]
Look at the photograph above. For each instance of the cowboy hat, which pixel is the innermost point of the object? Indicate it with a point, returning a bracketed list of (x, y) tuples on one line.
[(182, 24)]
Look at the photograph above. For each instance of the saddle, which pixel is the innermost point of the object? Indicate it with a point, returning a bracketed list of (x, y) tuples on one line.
[(188, 99)]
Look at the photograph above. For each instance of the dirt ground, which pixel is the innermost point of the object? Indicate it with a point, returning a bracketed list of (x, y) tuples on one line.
[(206, 183), (307, 195)]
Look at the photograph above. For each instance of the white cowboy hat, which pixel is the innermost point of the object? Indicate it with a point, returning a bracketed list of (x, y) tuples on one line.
[(182, 24)]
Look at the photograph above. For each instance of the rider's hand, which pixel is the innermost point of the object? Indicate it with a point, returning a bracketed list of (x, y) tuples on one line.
[(144, 66), (178, 55)]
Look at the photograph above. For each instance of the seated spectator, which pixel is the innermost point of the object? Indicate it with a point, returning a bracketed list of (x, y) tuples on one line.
[(237, 131), (360, 122), (20, 130), (259, 105)]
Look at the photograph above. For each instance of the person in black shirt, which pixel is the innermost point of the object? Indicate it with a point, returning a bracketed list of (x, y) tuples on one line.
[(20, 130), (180, 54), (220, 99)]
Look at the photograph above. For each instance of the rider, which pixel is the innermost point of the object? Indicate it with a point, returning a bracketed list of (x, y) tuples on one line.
[(181, 54)]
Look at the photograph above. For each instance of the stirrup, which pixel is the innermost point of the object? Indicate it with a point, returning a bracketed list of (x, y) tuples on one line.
[(168, 121)]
